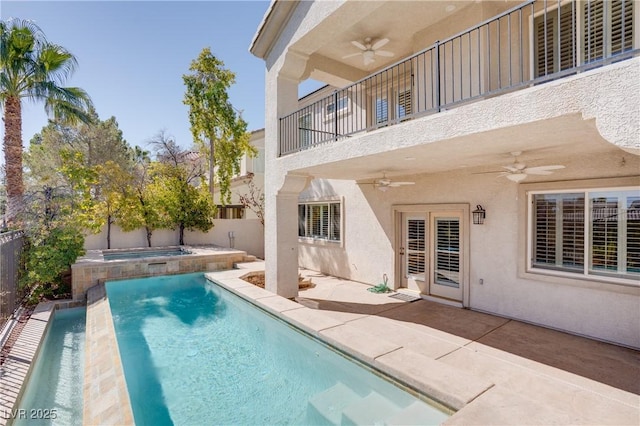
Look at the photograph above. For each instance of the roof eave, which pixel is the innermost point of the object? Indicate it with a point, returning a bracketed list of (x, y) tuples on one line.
[(274, 21)]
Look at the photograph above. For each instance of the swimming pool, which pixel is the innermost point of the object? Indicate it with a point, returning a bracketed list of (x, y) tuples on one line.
[(53, 393), (194, 353), (143, 253)]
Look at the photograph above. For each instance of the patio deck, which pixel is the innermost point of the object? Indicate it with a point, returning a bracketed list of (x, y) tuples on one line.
[(512, 372)]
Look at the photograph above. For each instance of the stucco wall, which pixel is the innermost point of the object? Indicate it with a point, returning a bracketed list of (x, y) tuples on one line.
[(604, 311), (249, 237)]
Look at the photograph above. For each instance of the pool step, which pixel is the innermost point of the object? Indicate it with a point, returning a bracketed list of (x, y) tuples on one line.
[(340, 405), (327, 406), (372, 409)]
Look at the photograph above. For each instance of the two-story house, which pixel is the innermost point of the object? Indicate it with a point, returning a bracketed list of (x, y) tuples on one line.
[(484, 154)]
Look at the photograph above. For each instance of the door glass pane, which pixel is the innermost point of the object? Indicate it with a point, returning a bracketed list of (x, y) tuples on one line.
[(447, 252), (415, 248)]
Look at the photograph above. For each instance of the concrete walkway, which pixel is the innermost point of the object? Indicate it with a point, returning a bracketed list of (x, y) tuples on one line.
[(490, 369)]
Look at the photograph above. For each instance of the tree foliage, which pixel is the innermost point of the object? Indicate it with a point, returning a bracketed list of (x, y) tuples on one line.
[(32, 68), (220, 134), (180, 187)]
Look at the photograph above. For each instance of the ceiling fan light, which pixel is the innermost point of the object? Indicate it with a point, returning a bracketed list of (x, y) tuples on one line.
[(517, 177), (383, 188)]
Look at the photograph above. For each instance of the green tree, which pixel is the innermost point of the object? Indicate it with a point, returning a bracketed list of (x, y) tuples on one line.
[(180, 188), (219, 133), (89, 159), (145, 208), (34, 69)]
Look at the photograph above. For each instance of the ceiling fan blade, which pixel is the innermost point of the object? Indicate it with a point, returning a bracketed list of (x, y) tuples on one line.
[(516, 177), (352, 55), (401, 183), (542, 170), (359, 45), (512, 169), (378, 44), (368, 60), (384, 53)]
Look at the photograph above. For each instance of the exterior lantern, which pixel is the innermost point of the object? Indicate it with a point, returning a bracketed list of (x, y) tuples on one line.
[(478, 215)]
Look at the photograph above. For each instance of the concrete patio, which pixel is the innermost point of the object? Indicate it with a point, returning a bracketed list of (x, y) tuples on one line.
[(491, 370)]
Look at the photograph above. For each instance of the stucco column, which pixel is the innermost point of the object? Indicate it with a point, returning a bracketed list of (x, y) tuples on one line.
[(282, 258), (281, 193)]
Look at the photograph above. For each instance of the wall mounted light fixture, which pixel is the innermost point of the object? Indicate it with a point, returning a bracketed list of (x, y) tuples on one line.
[(478, 215)]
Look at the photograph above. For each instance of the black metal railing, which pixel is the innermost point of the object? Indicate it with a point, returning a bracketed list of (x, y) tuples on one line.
[(534, 42), (11, 244)]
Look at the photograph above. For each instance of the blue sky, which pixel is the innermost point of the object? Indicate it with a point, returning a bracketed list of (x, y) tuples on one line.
[(132, 56)]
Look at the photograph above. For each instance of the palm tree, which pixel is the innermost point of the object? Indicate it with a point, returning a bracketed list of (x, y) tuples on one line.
[(32, 68)]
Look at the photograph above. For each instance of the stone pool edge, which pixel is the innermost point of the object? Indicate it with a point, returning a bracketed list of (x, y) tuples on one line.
[(18, 366), (449, 388), (105, 395)]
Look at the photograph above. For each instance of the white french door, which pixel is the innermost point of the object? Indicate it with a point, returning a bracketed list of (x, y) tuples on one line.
[(446, 255), (431, 253)]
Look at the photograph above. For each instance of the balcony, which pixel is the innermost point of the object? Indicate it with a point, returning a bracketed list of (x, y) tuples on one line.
[(532, 43)]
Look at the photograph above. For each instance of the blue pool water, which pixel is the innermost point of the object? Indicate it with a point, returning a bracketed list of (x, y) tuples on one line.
[(193, 353), (53, 393), (139, 254)]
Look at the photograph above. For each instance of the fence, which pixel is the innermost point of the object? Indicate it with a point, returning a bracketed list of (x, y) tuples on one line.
[(10, 251)]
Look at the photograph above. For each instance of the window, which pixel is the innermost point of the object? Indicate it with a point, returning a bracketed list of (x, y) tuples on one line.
[(319, 221), (258, 161), (594, 233), (230, 212), (603, 28), (382, 110), (304, 124), (403, 108), (342, 104), (608, 28), (554, 41)]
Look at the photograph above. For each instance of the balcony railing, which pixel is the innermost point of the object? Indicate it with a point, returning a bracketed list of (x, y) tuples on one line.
[(532, 43)]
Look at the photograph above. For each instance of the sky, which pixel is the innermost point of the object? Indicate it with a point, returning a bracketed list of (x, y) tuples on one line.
[(132, 56)]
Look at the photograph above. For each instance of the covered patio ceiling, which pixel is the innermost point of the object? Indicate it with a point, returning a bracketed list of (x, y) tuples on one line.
[(551, 141)]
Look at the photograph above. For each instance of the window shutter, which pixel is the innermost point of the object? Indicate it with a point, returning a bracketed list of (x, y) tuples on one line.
[(573, 232), (447, 252), (404, 103), (415, 247), (555, 48), (324, 221), (604, 233), (633, 234), (594, 30), (302, 220), (567, 35), (335, 221), (621, 26), (544, 251)]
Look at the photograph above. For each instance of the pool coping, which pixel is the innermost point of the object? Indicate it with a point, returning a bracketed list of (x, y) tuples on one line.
[(444, 386), (476, 397), (105, 395), (18, 366)]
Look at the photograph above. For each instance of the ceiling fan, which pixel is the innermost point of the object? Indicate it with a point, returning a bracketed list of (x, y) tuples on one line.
[(517, 172), (369, 50), (385, 183)]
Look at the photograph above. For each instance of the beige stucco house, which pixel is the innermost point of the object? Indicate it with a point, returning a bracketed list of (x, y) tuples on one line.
[(525, 111), (251, 169)]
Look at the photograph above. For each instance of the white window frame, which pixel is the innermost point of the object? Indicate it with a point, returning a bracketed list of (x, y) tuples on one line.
[(580, 31), (343, 106), (308, 234), (586, 273)]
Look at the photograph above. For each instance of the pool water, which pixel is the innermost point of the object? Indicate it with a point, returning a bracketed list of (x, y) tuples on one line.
[(193, 353), (139, 254), (55, 386)]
